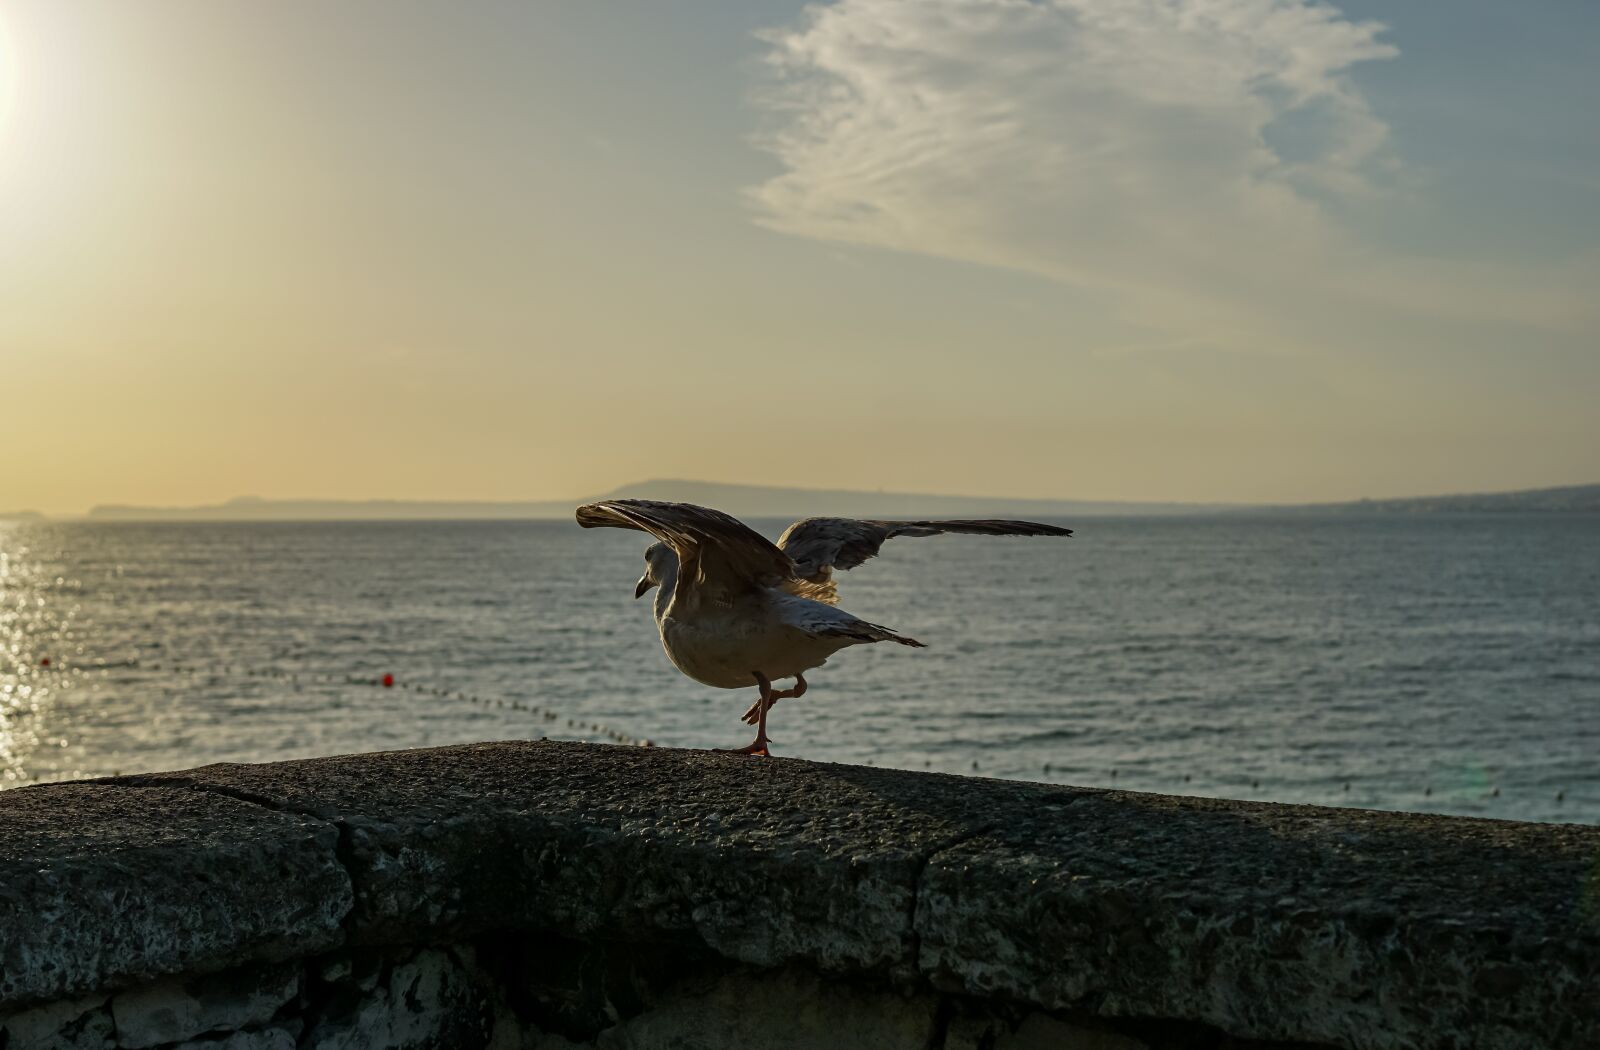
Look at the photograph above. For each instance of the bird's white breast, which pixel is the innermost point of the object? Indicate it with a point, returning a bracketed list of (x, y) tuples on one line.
[(726, 648)]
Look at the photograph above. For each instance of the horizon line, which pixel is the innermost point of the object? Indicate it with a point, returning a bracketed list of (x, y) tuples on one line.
[(400, 503)]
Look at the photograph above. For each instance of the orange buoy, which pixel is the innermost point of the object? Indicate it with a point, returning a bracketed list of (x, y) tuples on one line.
[(388, 680)]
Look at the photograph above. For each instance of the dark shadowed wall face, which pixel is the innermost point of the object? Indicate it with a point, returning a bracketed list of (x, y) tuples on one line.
[(1250, 250)]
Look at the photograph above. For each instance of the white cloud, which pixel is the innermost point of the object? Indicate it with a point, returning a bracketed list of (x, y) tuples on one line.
[(1188, 157)]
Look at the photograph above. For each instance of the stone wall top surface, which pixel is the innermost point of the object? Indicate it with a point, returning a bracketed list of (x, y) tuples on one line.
[(1344, 927), (105, 884)]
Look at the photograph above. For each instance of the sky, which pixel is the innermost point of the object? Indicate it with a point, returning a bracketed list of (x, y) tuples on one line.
[(1242, 250)]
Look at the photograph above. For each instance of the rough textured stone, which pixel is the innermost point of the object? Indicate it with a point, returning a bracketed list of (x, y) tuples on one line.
[(1042, 1032), (273, 1038), (335, 970), (778, 1011), (969, 1033), (1038, 1031), (429, 1000), (175, 1009), (1316, 926), (103, 886), (768, 862), (1344, 927), (66, 1024)]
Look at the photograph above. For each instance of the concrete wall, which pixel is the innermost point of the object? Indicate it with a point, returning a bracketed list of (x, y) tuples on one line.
[(558, 895)]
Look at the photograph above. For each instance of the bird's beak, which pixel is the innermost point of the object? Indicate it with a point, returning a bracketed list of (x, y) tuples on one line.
[(645, 583)]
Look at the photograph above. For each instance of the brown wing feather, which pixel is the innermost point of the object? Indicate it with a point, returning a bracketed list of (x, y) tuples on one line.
[(718, 555), (819, 546)]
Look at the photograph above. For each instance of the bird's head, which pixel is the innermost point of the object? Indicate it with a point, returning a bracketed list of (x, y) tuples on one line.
[(657, 558)]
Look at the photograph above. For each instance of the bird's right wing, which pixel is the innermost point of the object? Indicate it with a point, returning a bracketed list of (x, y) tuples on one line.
[(819, 546), (719, 556)]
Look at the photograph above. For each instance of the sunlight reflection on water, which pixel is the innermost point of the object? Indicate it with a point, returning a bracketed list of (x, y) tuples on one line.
[(1420, 663)]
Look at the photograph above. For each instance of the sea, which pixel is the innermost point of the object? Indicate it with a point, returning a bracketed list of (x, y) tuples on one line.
[(1447, 663)]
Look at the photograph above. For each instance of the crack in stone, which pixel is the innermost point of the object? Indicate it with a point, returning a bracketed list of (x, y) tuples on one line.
[(343, 851), (927, 860), (914, 938), (943, 1010), (215, 789), (111, 1015)]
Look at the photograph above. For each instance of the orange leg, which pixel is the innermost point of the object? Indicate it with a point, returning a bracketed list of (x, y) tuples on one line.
[(773, 696), (759, 745)]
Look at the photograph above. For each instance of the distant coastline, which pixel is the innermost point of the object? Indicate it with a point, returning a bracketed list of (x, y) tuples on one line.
[(745, 501), (759, 501), (1564, 499)]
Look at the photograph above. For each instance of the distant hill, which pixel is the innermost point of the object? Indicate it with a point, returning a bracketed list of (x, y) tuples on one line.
[(20, 515), (745, 501), (762, 501), (1566, 499)]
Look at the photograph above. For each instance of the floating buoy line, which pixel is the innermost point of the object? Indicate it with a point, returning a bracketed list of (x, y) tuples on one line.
[(385, 681), (388, 680)]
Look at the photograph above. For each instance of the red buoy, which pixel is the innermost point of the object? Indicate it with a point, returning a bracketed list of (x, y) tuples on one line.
[(44, 662), (388, 680)]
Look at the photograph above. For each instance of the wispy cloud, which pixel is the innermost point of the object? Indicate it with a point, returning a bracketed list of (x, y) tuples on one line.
[(1189, 157)]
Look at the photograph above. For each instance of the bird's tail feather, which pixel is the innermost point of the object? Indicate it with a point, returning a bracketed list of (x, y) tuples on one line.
[(861, 631), (891, 635)]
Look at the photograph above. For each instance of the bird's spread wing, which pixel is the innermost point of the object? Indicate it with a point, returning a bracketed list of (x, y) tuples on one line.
[(718, 555), (819, 546)]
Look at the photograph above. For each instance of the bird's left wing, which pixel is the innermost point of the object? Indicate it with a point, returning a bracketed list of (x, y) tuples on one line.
[(719, 556), (819, 546)]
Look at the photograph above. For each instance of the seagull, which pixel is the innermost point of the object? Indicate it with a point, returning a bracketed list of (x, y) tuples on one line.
[(735, 609)]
